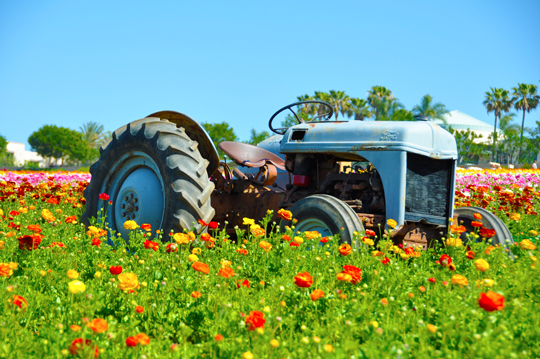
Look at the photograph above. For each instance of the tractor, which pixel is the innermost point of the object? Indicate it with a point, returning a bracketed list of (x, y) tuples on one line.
[(336, 177)]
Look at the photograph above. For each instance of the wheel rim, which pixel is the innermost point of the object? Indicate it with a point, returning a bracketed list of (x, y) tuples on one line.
[(136, 189), (313, 224)]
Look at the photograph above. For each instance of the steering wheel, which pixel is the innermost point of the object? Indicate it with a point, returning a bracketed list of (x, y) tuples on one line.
[(281, 130)]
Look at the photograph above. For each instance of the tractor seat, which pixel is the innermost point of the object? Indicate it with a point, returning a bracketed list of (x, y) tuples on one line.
[(247, 155)]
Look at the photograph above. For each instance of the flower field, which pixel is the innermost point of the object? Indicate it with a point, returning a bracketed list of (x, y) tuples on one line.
[(70, 291)]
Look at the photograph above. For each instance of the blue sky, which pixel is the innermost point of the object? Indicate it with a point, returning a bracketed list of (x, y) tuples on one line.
[(69, 62)]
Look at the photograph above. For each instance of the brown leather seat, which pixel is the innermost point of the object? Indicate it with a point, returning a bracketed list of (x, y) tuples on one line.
[(247, 155)]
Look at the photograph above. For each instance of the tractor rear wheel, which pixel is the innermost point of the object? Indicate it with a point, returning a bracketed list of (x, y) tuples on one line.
[(502, 236), (153, 173), (326, 215)]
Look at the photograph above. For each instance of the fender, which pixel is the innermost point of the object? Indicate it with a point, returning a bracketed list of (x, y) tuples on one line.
[(196, 132)]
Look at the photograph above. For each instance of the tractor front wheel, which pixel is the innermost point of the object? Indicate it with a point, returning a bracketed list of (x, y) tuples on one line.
[(153, 173), (326, 215)]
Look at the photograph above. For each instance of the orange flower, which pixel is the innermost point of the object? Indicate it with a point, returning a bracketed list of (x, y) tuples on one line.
[(286, 237), (482, 265), (128, 281), (344, 277), (226, 272), (34, 228), (151, 245), (477, 216), (75, 327), (196, 294), (303, 280), (142, 339), (491, 301), (471, 254), (71, 219), (218, 337), (205, 237), (242, 251), (460, 280), (316, 294), (201, 267), (457, 229), (139, 309), (284, 214), (255, 319), (354, 272), (345, 249), (258, 232), (19, 301), (98, 325), (78, 345), (489, 250), (487, 233), (5, 270), (265, 245), (477, 224), (147, 227)]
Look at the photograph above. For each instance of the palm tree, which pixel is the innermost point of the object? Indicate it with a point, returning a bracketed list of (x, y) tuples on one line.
[(340, 102), (497, 101), (429, 109), (376, 95), (359, 109), (93, 133), (526, 99), (510, 131)]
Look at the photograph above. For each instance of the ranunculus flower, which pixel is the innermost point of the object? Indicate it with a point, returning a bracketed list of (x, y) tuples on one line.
[(303, 280), (19, 301), (470, 254), (457, 229), (284, 214), (370, 233), (196, 294), (128, 281), (460, 280), (172, 247), (514, 216), (139, 309), (5, 270), (245, 283), (193, 258), (481, 264), (78, 345), (71, 219), (477, 216), (201, 267), (354, 272), (391, 223), (255, 319), (487, 233), (104, 196), (202, 223), (491, 301), (324, 240), (344, 249), (476, 224), (72, 274), (444, 260), (76, 286), (386, 261), (115, 270), (286, 237), (226, 272), (213, 225), (98, 325), (96, 242), (34, 228), (265, 245), (151, 245), (147, 227), (258, 232), (30, 242), (140, 338), (181, 238), (130, 225), (316, 294), (527, 244), (344, 277)]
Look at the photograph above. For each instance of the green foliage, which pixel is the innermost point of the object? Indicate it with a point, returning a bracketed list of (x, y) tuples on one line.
[(53, 142), (525, 98), (257, 137), (220, 132), (6, 158), (469, 146), (434, 111)]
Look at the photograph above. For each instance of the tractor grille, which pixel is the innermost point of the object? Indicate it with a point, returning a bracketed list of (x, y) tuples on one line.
[(428, 189)]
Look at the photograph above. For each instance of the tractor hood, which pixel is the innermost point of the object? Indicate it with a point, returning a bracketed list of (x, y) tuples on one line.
[(421, 137)]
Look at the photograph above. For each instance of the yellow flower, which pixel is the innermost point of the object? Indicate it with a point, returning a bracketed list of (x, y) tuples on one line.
[(13, 265), (274, 343), (298, 240), (248, 222), (514, 216), (527, 244), (368, 241), (76, 286), (191, 236), (2, 244), (460, 280), (431, 328), (181, 238), (225, 263), (488, 283), (128, 281), (374, 324), (23, 210), (391, 223), (533, 233), (482, 265), (130, 225), (193, 258), (1, 212), (328, 348), (5, 270), (454, 242), (312, 234), (247, 355), (47, 215), (42, 273), (196, 250), (72, 274), (97, 275)]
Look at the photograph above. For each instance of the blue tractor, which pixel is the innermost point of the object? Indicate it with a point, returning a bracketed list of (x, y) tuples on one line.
[(336, 177)]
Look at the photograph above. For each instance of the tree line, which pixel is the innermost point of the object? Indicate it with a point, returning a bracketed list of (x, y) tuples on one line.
[(516, 143)]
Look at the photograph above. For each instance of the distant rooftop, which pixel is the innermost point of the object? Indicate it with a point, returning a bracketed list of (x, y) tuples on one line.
[(461, 121)]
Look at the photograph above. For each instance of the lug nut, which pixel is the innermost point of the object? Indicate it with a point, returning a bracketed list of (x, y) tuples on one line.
[(126, 198), (133, 216), (136, 208), (135, 200), (123, 214), (131, 195), (123, 206)]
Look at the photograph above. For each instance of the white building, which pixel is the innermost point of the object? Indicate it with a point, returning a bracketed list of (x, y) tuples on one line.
[(21, 156), (460, 121)]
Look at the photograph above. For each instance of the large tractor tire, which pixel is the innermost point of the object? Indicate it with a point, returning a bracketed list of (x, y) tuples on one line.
[(153, 173), (326, 215), (503, 235)]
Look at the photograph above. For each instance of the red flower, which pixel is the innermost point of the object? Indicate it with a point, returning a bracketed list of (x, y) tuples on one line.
[(487, 233), (34, 228), (226, 272), (245, 283), (96, 242), (286, 237), (445, 260), (71, 219), (477, 224), (293, 244), (477, 216), (151, 245), (131, 342), (316, 294), (213, 225), (205, 237), (370, 233), (324, 240), (30, 242), (115, 270), (432, 280), (172, 247), (13, 213), (354, 272), (201, 267), (491, 301), (303, 280), (58, 244), (255, 319), (218, 337), (471, 254), (385, 261), (104, 196), (78, 344), (202, 223), (147, 227), (19, 301), (139, 309), (242, 251)]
